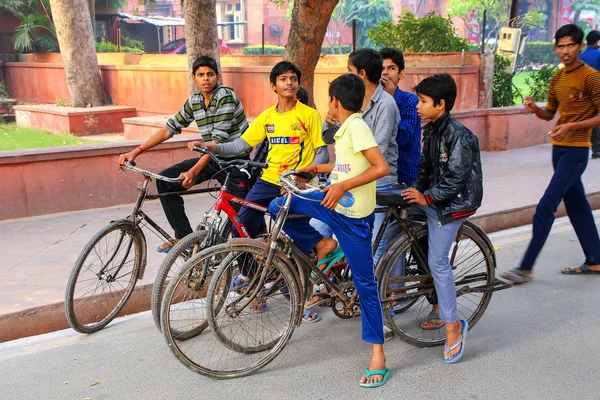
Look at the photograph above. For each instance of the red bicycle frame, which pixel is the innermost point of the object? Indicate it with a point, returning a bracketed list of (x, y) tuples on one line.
[(223, 203)]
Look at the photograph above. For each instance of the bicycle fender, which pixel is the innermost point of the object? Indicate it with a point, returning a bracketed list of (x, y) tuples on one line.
[(263, 246), (140, 233), (485, 238)]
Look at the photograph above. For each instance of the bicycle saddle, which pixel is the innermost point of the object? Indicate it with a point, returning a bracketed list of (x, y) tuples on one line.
[(392, 197)]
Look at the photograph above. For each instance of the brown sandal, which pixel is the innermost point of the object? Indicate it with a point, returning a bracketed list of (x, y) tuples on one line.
[(430, 322)]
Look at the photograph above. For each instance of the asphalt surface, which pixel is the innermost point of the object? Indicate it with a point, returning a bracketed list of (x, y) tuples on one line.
[(535, 341)]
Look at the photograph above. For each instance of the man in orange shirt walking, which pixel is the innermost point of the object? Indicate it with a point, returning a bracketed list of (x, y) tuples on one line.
[(575, 93)]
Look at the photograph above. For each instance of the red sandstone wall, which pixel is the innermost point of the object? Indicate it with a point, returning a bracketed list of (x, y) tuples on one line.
[(44, 181), (162, 89)]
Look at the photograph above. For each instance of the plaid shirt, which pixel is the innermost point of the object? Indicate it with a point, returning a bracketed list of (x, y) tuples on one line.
[(224, 120), (409, 137)]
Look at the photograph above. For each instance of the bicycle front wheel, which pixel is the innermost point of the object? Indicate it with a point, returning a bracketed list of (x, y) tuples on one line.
[(409, 296), (186, 248), (104, 276), (249, 324)]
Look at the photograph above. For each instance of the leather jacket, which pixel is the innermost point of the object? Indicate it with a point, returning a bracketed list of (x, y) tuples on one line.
[(450, 174)]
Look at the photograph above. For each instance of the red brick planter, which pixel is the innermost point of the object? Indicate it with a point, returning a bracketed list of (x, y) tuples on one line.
[(73, 120)]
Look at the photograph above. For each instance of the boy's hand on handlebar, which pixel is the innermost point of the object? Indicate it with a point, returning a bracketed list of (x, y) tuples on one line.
[(127, 157), (333, 194), (196, 143), (188, 179)]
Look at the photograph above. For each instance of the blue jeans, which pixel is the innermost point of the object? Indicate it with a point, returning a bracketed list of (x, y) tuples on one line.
[(439, 241), (569, 164), (262, 193), (354, 236)]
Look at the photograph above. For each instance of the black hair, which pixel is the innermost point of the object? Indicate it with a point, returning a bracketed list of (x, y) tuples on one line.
[(302, 95), (394, 55), (569, 30), (281, 68), (349, 89), (592, 38), (368, 60), (204, 61), (439, 87)]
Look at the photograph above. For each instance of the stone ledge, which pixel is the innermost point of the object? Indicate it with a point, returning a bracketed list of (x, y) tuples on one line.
[(79, 121)]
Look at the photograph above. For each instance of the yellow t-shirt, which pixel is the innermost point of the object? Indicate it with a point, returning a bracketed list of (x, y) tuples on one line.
[(293, 137), (575, 94), (351, 139)]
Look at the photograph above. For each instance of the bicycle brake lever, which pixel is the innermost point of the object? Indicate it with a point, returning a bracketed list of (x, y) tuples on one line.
[(246, 172)]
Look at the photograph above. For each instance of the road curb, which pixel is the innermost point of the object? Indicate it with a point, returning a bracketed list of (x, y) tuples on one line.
[(50, 318)]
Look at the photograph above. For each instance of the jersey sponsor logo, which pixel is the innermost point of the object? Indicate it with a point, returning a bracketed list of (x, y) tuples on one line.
[(344, 168), (270, 128), (285, 140)]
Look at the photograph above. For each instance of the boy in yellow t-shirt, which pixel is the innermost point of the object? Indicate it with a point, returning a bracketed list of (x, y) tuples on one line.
[(347, 205), (293, 131)]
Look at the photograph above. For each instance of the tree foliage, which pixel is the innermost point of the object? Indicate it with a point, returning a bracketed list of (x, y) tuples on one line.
[(539, 82), (434, 32), (502, 95), (497, 16)]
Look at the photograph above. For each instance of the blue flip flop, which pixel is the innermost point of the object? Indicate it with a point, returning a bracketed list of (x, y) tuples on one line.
[(239, 282), (307, 314), (332, 258), (384, 372), (461, 342)]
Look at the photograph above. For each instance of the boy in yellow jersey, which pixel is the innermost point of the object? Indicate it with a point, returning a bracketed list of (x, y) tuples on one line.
[(346, 206), (293, 131), (575, 93)]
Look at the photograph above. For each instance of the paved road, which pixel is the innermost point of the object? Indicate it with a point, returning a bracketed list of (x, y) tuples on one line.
[(537, 341)]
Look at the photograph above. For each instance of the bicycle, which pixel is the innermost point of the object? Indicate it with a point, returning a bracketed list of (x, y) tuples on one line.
[(211, 230), (249, 325), (110, 264), (408, 296)]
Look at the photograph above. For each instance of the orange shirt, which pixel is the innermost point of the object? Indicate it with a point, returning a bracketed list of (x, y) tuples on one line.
[(575, 94)]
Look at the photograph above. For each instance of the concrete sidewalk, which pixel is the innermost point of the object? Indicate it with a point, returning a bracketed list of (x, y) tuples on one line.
[(38, 253)]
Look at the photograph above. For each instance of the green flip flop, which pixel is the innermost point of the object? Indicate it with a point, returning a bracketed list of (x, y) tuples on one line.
[(332, 258), (384, 372)]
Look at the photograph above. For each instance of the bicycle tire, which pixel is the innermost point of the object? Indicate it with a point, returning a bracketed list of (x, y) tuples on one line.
[(211, 353), (475, 267), (173, 262), (92, 313)]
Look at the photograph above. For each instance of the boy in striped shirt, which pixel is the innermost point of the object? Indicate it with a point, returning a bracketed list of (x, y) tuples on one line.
[(221, 118)]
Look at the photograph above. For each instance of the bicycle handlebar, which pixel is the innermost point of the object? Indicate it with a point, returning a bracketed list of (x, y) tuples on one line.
[(291, 186), (131, 166), (237, 163)]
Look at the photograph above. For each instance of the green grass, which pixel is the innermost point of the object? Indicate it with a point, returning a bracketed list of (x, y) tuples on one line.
[(519, 82), (13, 137)]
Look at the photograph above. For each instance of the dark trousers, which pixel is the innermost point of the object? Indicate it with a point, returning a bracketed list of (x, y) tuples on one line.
[(596, 142), (173, 205), (262, 193), (569, 163)]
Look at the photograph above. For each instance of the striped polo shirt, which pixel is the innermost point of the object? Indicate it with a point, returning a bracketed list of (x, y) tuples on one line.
[(575, 94), (224, 120)]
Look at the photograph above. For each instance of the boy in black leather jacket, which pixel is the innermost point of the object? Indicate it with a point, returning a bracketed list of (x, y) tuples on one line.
[(448, 189)]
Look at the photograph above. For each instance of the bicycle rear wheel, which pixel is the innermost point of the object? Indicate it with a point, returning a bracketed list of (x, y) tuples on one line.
[(186, 248), (235, 343), (96, 292), (408, 299)]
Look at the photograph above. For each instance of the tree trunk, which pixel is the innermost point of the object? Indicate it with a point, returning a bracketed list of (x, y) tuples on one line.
[(201, 32), (309, 24), (78, 51), (92, 6)]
